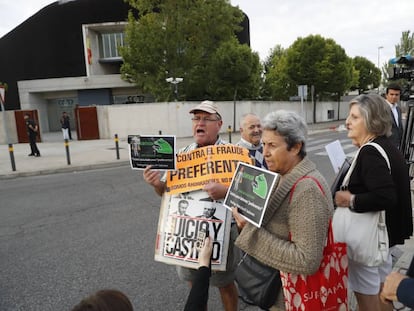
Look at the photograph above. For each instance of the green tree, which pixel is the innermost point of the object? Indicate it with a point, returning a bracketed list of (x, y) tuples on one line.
[(369, 76), (235, 72), (176, 38), (321, 63), (277, 84), (406, 45)]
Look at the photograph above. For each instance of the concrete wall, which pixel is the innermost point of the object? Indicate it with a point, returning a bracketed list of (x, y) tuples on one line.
[(173, 117), (8, 130)]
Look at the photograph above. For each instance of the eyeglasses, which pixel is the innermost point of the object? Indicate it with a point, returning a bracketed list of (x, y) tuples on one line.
[(198, 119)]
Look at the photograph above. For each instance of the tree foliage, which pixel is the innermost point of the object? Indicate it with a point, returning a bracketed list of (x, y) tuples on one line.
[(180, 38), (195, 40), (369, 76), (235, 72), (277, 84), (321, 63), (406, 45)]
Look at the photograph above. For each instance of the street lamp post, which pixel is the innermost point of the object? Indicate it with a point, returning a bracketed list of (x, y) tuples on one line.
[(175, 82), (379, 52)]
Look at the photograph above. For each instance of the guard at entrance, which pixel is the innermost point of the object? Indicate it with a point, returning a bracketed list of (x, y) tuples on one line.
[(32, 130)]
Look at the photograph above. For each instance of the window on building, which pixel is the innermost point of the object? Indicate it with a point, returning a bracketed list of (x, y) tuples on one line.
[(110, 44)]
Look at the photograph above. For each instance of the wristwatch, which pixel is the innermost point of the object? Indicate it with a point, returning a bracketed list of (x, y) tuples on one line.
[(352, 202)]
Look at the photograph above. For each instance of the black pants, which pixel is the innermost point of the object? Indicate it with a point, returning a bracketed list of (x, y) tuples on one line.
[(33, 146)]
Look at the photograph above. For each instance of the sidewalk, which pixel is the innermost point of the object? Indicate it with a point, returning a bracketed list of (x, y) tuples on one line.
[(83, 155), (86, 154)]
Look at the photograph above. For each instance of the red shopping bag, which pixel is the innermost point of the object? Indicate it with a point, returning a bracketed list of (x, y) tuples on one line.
[(327, 288)]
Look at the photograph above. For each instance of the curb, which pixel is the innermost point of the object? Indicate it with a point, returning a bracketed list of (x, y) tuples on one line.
[(117, 163), (68, 169)]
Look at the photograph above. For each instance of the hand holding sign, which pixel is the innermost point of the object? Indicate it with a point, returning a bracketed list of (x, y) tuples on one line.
[(240, 220), (215, 190)]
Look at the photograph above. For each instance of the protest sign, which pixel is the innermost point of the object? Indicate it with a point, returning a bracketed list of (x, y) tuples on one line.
[(249, 191), (182, 218), (336, 154), (211, 163), (156, 150)]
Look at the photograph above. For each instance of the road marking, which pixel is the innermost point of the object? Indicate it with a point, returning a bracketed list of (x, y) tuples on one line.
[(345, 147)]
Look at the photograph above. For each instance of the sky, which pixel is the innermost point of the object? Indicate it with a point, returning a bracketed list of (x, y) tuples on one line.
[(361, 27)]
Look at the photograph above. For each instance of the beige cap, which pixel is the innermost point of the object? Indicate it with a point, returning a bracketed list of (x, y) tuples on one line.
[(206, 106)]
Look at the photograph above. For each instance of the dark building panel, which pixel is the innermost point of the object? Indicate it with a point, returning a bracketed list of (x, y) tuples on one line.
[(49, 43), (244, 35), (94, 97)]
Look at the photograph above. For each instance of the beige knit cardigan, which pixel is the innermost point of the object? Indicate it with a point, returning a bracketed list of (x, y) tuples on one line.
[(294, 230)]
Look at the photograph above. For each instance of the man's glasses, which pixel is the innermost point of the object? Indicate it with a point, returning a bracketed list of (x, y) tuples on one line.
[(198, 119)]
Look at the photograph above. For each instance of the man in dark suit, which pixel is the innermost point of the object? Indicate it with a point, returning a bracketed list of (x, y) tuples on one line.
[(392, 96)]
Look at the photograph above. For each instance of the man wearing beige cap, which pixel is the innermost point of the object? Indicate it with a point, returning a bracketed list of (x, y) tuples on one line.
[(206, 126)]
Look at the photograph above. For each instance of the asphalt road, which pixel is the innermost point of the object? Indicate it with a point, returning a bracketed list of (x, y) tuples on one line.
[(64, 236)]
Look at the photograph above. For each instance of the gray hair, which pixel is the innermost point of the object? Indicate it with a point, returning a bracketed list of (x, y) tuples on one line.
[(289, 125), (376, 113), (243, 117)]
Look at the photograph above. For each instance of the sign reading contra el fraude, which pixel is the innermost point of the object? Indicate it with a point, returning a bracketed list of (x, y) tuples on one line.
[(203, 165)]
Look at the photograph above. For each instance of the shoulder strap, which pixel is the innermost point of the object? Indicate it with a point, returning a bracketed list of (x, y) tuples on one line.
[(382, 152), (330, 239), (385, 156), (351, 168), (303, 177)]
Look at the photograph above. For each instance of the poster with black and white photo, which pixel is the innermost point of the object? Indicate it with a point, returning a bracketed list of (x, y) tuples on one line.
[(183, 218), (156, 150), (249, 191)]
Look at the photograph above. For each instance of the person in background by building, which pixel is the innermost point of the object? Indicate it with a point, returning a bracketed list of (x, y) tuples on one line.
[(65, 122), (206, 126), (392, 95), (32, 130), (105, 300), (251, 135)]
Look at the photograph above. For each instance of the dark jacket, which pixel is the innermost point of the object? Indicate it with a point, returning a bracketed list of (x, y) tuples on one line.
[(65, 121), (397, 130), (197, 299), (31, 127), (375, 189), (405, 292)]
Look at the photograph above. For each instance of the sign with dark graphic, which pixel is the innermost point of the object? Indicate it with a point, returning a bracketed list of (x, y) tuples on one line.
[(250, 191), (158, 151)]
